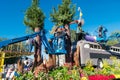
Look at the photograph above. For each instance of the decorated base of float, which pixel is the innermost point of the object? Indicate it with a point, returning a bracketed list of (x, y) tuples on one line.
[(69, 72)]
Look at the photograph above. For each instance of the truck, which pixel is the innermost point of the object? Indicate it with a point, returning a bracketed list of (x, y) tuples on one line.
[(94, 48)]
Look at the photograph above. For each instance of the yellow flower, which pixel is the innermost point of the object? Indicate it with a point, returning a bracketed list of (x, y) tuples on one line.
[(83, 78), (117, 75)]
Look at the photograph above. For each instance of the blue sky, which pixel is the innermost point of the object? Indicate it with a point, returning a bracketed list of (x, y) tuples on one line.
[(95, 13)]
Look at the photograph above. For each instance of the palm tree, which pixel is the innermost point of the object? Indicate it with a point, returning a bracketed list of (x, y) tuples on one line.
[(63, 16), (34, 18)]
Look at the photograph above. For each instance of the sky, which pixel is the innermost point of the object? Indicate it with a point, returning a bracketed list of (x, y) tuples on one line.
[(95, 13)]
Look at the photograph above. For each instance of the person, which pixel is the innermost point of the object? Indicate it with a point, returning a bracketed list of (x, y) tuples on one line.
[(62, 43), (29, 44), (14, 74), (10, 70), (20, 66), (58, 43)]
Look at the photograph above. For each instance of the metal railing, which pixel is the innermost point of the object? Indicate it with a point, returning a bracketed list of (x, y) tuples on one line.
[(2, 57)]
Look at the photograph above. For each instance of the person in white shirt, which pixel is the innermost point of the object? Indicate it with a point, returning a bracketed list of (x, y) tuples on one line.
[(10, 70)]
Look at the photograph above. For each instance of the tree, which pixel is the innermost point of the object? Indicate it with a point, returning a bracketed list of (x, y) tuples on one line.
[(112, 42), (114, 39), (2, 39), (63, 16), (34, 18), (73, 34), (7, 54)]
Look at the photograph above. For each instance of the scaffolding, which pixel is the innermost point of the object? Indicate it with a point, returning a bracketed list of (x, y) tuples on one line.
[(2, 57)]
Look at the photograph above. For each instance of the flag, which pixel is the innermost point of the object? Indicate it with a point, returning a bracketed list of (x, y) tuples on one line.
[(81, 14)]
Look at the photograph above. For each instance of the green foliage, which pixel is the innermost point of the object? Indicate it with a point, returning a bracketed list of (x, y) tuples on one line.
[(64, 14), (16, 47), (34, 17), (73, 34), (11, 51), (26, 76), (43, 76), (89, 69), (75, 75), (115, 65), (62, 73), (114, 40), (2, 39), (107, 69)]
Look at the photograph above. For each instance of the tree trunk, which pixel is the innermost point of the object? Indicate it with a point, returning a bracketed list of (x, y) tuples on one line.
[(37, 55), (68, 56)]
